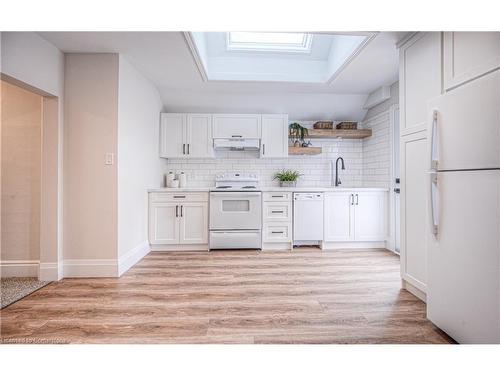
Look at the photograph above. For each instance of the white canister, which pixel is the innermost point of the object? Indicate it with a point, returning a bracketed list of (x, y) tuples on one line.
[(182, 180), (169, 178), (174, 184)]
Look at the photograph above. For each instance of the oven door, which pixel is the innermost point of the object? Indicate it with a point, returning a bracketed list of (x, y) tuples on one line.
[(235, 210)]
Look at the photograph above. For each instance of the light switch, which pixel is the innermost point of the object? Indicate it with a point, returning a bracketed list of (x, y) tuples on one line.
[(110, 158)]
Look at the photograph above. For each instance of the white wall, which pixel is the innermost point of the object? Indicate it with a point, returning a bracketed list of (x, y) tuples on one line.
[(31, 62), (91, 123), (377, 156), (139, 166)]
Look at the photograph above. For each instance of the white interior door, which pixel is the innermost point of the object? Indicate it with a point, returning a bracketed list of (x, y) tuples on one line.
[(370, 222), (172, 135), (339, 225), (164, 223), (199, 136), (463, 268), (397, 184), (194, 223)]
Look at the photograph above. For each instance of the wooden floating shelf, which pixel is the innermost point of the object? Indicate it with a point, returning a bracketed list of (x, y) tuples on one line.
[(342, 133), (304, 150)]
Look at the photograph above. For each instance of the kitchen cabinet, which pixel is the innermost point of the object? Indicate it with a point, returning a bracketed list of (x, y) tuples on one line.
[(236, 126), (178, 219), (469, 55), (277, 221), (370, 218), (274, 142), (419, 79), (355, 216), (339, 216), (186, 135)]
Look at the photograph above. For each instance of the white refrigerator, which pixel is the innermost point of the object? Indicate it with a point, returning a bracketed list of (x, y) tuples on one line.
[(463, 281)]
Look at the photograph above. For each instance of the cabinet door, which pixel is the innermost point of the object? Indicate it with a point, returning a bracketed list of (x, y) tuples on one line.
[(163, 223), (414, 211), (420, 79), (468, 55), (194, 223), (370, 216), (274, 136), (236, 126), (339, 217), (172, 135), (199, 136)]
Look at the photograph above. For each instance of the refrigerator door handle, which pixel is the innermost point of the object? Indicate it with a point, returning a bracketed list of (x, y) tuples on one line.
[(434, 141), (434, 202)]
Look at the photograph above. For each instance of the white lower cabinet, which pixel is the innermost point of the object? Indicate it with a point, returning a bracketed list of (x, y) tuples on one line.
[(355, 216), (178, 219), (277, 221)]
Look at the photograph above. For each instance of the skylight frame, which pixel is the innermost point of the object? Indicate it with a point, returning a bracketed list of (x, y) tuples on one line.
[(304, 47)]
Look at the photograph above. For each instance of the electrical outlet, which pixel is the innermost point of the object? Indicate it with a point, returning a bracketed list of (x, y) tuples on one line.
[(109, 159)]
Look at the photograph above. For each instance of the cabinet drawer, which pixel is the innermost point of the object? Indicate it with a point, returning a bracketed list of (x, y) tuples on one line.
[(178, 197), (277, 232), (279, 211), (277, 196)]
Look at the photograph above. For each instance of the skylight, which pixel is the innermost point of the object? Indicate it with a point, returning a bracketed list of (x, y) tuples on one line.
[(270, 42)]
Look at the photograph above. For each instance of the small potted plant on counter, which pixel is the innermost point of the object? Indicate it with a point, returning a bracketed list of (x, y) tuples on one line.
[(287, 177)]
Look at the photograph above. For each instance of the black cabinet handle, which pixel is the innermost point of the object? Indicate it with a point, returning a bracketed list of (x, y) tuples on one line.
[(263, 149), (277, 232), (181, 211), (188, 149), (352, 199), (176, 211), (183, 149), (236, 136), (397, 190), (277, 212), (179, 196), (357, 199), (277, 196)]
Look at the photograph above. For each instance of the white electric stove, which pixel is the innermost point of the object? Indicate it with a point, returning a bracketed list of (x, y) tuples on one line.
[(236, 212)]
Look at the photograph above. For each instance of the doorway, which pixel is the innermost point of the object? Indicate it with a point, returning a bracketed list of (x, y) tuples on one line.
[(396, 177)]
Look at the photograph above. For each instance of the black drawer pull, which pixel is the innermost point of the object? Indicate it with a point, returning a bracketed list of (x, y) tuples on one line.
[(277, 196), (277, 212), (179, 196), (277, 232)]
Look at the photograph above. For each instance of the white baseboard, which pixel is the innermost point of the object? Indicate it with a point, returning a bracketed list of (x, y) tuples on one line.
[(414, 290), (179, 247), (90, 268), (51, 271), (19, 268), (354, 245), (132, 256)]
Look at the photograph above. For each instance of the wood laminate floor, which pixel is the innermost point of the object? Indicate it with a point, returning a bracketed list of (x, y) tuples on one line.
[(304, 296)]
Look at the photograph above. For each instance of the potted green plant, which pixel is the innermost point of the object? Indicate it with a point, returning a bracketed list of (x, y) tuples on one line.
[(287, 177), (297, 133)]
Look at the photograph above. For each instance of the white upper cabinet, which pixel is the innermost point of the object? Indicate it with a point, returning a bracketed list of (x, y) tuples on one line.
[(469, 55), (420, 79), (199, 136), (236, 126), (370, 219), (274, 136), (172, 135), (186, 135)]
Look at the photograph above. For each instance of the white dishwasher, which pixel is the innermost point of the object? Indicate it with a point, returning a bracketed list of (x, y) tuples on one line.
[(308, 216)]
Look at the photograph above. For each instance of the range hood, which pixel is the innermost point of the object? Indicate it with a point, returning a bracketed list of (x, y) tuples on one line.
[(237, 144)]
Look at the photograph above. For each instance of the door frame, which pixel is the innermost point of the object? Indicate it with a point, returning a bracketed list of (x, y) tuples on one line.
[(391, 241)]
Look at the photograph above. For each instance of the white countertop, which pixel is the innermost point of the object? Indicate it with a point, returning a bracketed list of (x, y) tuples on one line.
[(275, 188)]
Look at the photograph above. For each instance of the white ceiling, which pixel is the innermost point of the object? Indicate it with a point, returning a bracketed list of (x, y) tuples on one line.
[(166, 60)]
